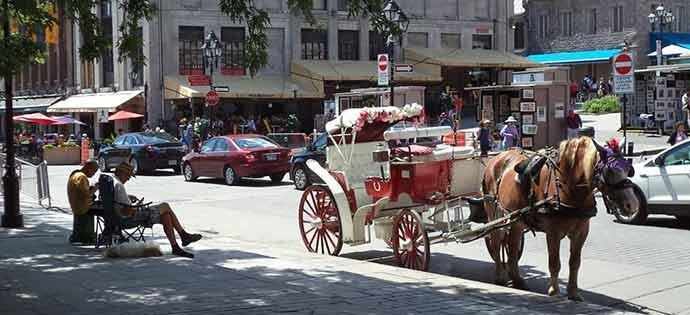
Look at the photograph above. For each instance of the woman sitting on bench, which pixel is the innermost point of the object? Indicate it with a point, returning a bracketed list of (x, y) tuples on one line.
[(154, 214)]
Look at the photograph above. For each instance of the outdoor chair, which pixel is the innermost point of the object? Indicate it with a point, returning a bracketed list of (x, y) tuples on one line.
[(111, 229)]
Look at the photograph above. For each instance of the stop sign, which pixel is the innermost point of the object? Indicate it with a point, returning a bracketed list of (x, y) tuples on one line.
[(383, 62), (212, 98), (623, 64)]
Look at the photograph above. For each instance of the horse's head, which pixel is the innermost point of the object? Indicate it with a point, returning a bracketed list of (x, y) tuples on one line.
[(611, 177)]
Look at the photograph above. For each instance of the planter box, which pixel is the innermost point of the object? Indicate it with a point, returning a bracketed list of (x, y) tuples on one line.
[(62, 156)]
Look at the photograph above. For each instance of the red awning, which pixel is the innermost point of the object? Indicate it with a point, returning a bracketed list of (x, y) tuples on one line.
[(35, 118), (123, 114)]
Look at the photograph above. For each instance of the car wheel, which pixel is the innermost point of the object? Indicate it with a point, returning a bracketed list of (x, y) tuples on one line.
[(230, 176), (188, 173), (636, 217), (300, 178), (277, 178), (103, 165)]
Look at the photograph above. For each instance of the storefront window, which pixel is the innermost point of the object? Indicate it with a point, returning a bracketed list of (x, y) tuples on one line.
[(377, 44), (190, 55)]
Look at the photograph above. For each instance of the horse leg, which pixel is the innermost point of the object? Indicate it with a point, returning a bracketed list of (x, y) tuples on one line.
[(577, 241), (515, 240), (553, 242), (496, 251)]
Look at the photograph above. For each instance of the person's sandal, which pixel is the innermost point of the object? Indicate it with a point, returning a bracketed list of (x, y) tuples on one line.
[(182, 253), (190, 238)]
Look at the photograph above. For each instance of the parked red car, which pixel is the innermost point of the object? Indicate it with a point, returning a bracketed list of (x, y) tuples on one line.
[(235, 156)]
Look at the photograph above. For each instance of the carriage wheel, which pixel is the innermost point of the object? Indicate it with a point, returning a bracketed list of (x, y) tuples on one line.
[(410, 241), (319, 221)]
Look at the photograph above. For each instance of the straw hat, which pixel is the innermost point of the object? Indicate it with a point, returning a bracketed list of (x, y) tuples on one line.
[(125, 168), (511, 119)]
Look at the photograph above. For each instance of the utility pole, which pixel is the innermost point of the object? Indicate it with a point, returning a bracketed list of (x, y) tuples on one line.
[(11, 218)]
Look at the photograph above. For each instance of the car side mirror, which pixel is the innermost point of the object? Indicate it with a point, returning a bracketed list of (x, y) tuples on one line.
[(659, 160)]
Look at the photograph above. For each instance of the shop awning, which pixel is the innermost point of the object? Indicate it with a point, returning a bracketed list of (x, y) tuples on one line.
[(471, 58), (585, 56), (93, 102), (261, 87), (26, 104), (673, 50), (327, 70)]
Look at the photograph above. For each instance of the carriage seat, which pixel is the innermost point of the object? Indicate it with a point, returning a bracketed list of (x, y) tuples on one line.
[(454, 152)]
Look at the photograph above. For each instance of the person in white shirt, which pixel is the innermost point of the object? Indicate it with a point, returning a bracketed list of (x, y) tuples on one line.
[(155, 214), (685, 100)]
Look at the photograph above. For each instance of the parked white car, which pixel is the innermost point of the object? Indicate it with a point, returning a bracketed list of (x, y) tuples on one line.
[(665, 181)]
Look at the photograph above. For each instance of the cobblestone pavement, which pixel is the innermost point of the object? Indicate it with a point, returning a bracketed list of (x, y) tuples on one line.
[(41, 274)]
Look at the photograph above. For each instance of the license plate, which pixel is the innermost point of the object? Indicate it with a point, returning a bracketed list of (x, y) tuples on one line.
[(172, 162), (270, 157)]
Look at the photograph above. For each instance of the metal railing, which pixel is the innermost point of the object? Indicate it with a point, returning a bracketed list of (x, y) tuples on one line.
[(33, 180)]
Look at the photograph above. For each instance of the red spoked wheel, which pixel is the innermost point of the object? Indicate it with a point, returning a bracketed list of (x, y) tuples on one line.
[(410, 241), (319, 221)]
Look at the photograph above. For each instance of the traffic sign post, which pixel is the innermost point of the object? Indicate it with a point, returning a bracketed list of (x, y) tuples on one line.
[(383, 69), (624, 83), (212, 98)]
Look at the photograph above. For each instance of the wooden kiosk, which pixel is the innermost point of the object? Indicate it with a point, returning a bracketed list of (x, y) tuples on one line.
[(538, 98)]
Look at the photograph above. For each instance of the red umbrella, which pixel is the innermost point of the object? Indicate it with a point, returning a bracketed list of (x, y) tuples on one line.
[(35, 118), (124, 115)]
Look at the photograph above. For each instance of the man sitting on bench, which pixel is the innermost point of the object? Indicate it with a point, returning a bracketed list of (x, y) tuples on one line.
[(154, 214)]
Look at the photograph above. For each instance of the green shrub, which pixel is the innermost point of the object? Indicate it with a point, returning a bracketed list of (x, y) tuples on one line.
[(607, 104), (69, 145), (48, 146)]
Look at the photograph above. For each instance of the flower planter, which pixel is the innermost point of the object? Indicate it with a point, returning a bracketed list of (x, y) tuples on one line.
[(62, 156)]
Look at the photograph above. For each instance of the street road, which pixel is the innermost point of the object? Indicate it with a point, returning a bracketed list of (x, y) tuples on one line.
[(627, 267)]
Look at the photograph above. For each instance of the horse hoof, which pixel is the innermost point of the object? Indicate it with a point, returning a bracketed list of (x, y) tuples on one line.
[(553, 291), (575, 297)]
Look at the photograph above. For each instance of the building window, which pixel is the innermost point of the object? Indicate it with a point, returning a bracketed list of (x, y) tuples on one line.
[(450, 40), (592, 21), (342, 5), (482, 8), (232, 39), (314, 44), (319, 4), (543, 26), (566, 19), (107, 66), (482, 41), (417, 39), (377, 44), (617, 19), (139, 81), (348, 45), (519, 35), (190, 55)]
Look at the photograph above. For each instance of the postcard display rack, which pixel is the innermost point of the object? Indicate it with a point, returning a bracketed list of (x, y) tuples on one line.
[(660, 96)]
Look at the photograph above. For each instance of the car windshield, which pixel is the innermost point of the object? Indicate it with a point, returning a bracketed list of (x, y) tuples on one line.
[(157, 138), (254, 143)]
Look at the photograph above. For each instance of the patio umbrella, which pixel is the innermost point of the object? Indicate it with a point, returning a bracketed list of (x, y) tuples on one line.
[(66, 120), (35, 118), (124, 115)]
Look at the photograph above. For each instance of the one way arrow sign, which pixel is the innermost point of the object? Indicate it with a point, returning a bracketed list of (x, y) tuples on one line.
[(404, 68)]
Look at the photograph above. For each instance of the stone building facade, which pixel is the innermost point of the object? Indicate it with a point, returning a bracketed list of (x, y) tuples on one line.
[(582, 25)]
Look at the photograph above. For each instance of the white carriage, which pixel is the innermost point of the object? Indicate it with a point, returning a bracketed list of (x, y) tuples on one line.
[(389, 178)]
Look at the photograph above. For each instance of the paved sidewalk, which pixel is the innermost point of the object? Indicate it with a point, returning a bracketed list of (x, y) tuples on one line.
[(41, 274)]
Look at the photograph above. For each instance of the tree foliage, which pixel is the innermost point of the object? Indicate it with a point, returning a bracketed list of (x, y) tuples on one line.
[(29, 16)]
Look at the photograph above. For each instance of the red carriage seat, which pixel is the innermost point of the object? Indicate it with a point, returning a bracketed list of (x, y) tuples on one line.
[(341, 178)]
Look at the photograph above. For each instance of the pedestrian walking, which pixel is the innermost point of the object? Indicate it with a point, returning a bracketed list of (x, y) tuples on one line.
[(685, 100), (573, 92), (484, 135), (509, 133), (574, 124), (679, 134)]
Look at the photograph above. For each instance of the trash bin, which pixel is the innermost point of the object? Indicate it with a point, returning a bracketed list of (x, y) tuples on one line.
[(631, 146)]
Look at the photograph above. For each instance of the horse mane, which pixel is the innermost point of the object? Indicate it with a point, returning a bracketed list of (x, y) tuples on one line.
[(568, 152)]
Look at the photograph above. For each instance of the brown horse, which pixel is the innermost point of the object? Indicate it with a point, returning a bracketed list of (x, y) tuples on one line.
[(511, 182)]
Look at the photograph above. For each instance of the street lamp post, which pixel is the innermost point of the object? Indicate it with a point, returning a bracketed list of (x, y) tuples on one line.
[(212, 52), (11, 217), (661, 17), (397, 24)]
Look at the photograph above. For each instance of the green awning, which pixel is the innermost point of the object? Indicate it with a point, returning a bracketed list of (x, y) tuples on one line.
[(28, 104)]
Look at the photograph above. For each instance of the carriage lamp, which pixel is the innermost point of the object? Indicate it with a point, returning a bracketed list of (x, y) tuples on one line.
[(380, 157)]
